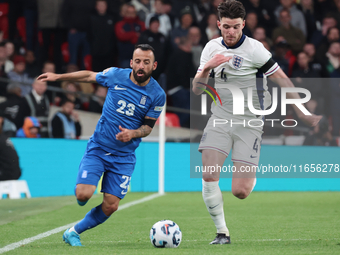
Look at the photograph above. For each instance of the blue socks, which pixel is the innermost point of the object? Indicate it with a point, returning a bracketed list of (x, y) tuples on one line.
[(92, 219)]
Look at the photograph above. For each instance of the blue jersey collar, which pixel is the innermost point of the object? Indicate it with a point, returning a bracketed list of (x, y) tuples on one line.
[(238, 44)]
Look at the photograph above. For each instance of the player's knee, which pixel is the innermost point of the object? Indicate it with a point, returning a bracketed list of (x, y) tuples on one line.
[(110, 208), (241, 193), (83, 195)]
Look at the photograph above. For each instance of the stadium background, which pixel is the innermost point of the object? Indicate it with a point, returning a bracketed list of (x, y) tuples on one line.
[(24, 25), (298, 222)]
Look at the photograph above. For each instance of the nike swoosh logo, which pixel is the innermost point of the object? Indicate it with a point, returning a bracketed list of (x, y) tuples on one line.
[(253, 156), (212, 207), (116, 88)]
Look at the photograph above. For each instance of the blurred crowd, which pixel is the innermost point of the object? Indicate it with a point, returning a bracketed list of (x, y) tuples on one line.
[(68, 35)]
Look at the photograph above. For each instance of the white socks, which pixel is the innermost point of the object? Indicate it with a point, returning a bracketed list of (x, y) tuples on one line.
[(213, 199), (72, 229), (254, 183)]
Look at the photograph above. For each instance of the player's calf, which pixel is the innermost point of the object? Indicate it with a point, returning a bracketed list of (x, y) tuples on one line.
[(110, 204)]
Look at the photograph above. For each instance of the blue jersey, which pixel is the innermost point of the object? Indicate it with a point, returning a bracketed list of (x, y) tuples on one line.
[(126, 105)]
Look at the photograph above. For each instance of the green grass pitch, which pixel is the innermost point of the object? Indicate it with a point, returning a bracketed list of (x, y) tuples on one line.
[(264, 223)]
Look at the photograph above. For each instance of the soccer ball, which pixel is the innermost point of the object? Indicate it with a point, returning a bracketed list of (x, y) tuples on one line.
[(165, 234)]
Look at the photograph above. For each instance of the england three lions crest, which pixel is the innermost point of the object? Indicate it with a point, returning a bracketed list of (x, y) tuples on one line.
[(237, 62)]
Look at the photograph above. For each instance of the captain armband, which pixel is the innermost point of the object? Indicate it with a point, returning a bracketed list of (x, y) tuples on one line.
[(267, 66), (149, 122)]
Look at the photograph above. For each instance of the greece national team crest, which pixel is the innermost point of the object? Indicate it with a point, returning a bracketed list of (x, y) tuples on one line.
[(237, 62), (143, 100)]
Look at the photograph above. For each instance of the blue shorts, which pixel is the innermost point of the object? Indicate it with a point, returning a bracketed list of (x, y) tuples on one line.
[(117, 170)]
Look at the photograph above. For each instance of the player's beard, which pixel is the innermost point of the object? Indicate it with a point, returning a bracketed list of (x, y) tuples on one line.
[(141, 79), (232, 41)]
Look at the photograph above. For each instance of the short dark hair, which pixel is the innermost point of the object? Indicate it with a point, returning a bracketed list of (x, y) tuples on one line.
[(145, 47), (329, 15), (329, 30), (231, 9), (48, 62), (285, 10), (167, 2), (131, 5), (302, 52), (66, 100)]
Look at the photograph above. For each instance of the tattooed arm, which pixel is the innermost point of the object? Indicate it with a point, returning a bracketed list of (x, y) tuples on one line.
[(143, 131), (127, 134)]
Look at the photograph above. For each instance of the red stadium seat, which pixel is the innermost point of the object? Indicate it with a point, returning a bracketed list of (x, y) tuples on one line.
[(65, 52), (21, 26), (88, 62), (85, 106), (171, 120), (4, 19), (291, 61), (3, 9), (40, 39)]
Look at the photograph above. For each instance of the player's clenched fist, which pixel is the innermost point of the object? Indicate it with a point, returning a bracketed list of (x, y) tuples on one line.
[(48, 77), (125, 135), (217, 60)]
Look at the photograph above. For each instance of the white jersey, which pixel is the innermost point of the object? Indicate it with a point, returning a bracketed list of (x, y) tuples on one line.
[(249, 66)]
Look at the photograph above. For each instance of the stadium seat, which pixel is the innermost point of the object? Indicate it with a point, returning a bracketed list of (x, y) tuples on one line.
[(85, 106), (171, 120), (40, 39), (65, 52), (291, 61), (21, 26), (88, 62), (3, 9), (14, 189), (4, 19)]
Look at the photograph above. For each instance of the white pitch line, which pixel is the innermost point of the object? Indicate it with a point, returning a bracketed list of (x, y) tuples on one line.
[(62, 228), (263, 240), (240, 240)]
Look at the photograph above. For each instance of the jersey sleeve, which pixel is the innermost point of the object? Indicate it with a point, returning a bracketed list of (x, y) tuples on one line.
[(106, 77), (263, 61), (205, 57), (157, 106)]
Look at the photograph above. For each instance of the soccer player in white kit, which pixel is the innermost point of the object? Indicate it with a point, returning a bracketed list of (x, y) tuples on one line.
[(238, 60)]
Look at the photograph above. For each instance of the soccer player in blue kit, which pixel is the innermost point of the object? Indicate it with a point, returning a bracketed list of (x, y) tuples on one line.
[(133, 103)]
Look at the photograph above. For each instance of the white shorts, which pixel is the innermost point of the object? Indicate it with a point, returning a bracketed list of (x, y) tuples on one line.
[(245, 142)]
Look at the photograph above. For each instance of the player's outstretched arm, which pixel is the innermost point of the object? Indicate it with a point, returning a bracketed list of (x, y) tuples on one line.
[(203, 76), (283, 81), (143, 131), (80, 76)]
